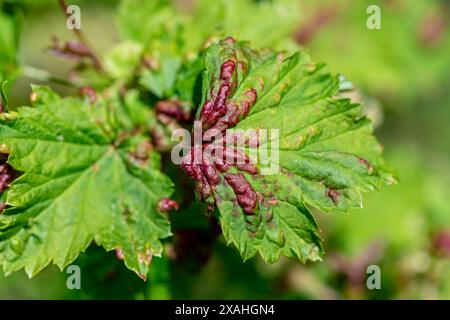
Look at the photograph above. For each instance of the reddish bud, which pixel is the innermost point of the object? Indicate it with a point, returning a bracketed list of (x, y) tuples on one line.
[(72, 49), (119, 254), (441, 242), (166, 204), (90, 93), (333, 195), (174, 109), (229, 40), (143, 277)]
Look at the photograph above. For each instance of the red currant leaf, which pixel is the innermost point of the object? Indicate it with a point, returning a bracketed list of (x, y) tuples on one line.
[(81, 181), (319, 149)]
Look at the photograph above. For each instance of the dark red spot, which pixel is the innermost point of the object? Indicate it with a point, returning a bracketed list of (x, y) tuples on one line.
[(204, 174), (174, 109), (166, 204), (4, 181), (150, 63), (219, 102), (243, 67), (7, 173), (210, 173), (236, 111), (90, 93), (241, 161), (119, 254), (220, 161), (191, 169), (365, 163), (441, 243), (245, 195), (143, 277), (229, 40), (333, 195), (432, 29), (227, 70), (207, 109), (213, 111), (251, 95)]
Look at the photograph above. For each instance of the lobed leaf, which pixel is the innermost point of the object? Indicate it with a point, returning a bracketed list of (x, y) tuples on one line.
[(81, 181), (327, 153)]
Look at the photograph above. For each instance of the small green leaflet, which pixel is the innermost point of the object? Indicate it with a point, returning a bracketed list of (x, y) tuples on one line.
[(327, 153), (192, 25), (80, 183)]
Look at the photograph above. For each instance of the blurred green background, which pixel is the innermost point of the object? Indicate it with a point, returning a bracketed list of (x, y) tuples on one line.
[(402, 75)]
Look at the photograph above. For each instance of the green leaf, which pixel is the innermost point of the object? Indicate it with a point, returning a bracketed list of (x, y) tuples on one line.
[(162, 80), (265, 23), (327, 154), (172, 36), (158, 287), (80, 182), (194, 23), (122, 60), (144, 21), (187, 86), (3, 98)]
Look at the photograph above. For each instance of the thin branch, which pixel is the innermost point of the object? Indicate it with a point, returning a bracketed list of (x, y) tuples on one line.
[(83, 40)]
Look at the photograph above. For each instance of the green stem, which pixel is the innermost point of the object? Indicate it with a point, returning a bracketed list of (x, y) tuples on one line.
[(83, 39), (45, 76)]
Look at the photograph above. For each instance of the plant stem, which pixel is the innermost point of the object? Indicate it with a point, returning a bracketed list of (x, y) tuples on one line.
[(45, 76), (83, 40)]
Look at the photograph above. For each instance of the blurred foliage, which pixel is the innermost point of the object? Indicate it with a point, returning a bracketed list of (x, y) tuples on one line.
[(402, 75), (407, 56), (9, 41), (194, 22)]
